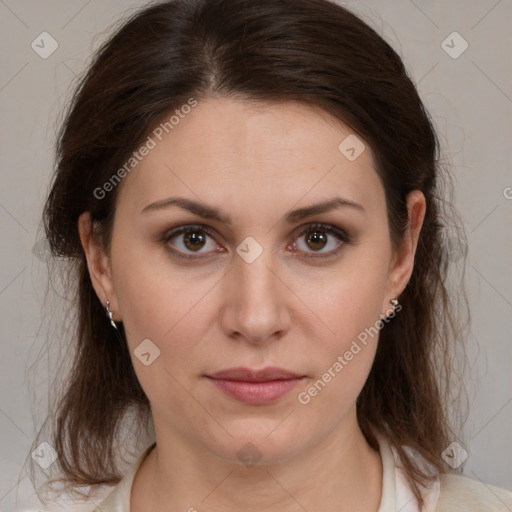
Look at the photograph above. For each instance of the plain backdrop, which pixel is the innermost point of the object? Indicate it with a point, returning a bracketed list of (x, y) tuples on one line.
[(469, 94)]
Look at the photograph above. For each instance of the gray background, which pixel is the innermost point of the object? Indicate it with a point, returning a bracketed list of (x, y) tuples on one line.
[(470, 98)]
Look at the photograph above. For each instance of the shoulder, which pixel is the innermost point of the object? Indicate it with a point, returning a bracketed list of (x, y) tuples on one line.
[(65, 502), (460, 494), (61, 506), (111, 498)]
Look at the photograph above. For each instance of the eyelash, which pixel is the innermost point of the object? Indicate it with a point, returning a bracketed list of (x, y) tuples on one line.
[(327, 228)]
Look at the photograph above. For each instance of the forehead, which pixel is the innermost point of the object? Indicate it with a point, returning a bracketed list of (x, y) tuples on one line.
[(269, 154)]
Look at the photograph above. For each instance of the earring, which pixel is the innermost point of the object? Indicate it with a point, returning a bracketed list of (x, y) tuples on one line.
[(109, 314), (394, 303)]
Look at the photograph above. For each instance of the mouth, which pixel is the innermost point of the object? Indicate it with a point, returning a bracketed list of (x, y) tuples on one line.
[(255, 387)]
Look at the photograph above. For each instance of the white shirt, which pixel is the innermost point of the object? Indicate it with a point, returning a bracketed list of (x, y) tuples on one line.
[(448, 493)]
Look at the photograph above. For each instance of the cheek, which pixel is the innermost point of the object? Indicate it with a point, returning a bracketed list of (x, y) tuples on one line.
[(351, 299), (162, 310), (349, 303), (158, 302), (161, 317)]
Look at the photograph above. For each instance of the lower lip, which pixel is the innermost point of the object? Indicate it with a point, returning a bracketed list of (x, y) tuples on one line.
[(256, 393)]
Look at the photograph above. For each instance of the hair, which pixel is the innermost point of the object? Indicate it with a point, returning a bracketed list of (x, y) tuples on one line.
[(310, 51)]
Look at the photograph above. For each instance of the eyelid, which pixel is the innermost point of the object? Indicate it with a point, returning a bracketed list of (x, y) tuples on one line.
[(171, 233), (328, 228), (300, 231)]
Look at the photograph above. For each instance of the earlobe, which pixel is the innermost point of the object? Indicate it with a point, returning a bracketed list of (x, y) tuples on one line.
[(98, 264)]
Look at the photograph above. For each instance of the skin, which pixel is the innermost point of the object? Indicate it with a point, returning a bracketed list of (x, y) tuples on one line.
[(255, 162)]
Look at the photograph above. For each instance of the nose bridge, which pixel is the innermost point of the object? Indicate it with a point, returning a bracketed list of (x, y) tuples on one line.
[(256, 278), (253, 301)]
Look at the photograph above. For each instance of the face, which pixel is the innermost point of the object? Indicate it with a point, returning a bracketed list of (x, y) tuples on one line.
[(263, 285)]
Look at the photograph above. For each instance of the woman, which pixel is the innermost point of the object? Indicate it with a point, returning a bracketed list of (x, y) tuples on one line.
[(250, 196)]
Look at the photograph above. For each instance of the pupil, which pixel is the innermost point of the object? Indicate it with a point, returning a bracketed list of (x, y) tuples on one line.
[(317, 238), (192, 237)]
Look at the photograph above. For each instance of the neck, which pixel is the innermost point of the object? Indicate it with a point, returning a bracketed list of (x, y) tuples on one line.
[(341, 473)]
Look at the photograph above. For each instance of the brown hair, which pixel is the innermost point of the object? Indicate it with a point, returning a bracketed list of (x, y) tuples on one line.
[(312, 51)]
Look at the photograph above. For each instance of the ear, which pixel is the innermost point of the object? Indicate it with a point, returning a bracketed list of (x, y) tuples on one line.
[(402, 263), (98, 263)]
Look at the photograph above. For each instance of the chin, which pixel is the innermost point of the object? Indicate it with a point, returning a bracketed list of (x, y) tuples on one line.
[(258, 442)]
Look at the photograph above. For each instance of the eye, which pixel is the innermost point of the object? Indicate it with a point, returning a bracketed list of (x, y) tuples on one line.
[(318, 237), (194, 239)]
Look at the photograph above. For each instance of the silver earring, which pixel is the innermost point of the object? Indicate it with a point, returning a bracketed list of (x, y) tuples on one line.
[(394, 303), (109, 314)]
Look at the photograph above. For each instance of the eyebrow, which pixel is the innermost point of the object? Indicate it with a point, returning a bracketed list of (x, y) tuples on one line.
[(214, 213)]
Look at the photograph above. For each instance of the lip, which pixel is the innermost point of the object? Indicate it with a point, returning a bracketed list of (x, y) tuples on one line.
[(255, 387)]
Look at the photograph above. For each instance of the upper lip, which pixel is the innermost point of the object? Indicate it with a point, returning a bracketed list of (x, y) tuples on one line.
[(248, 375)]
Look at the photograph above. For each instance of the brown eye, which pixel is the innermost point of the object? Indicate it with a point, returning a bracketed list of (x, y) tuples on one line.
[(187, 240), (193, 240), (318, 237), (316, 240)]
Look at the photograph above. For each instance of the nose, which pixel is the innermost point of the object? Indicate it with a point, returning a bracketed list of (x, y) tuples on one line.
[(255, 301)]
